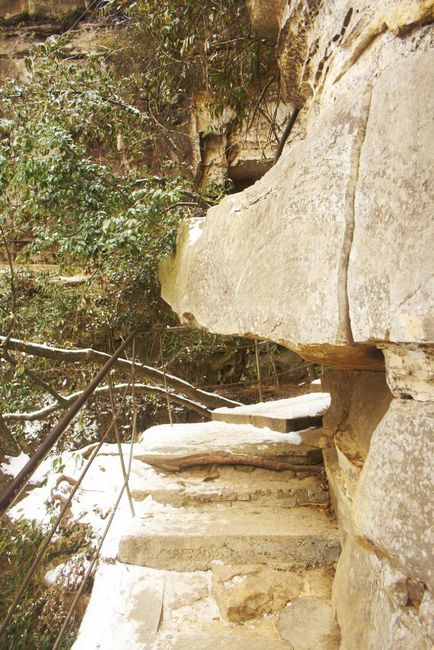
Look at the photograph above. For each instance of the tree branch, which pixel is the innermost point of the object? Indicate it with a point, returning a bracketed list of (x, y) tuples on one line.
[(286, 134), (44, 412), (13, 286), (88, 355)]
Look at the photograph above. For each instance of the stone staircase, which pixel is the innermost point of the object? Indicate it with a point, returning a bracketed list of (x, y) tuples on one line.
[(233, 545)]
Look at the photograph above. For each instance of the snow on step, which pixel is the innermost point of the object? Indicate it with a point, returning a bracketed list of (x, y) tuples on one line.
[(137, 608), (284, 415), (225, 483), (124, 611), (207, 443), (190, 538)]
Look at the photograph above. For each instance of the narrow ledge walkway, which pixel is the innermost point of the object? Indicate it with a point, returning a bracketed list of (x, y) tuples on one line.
[(233, 544)]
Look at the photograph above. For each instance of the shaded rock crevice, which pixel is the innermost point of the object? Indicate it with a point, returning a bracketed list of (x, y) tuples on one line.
[(345, 331)]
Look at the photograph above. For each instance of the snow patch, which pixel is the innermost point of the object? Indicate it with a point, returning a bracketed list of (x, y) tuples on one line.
[(195, 230), (14, 464)]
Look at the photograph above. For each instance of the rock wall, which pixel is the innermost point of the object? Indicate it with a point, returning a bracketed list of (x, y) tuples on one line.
[(217, 148), (223, 147), (329, 254), (26, 23)]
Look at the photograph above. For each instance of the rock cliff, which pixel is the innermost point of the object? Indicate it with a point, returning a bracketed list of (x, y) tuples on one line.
[(329, 254)]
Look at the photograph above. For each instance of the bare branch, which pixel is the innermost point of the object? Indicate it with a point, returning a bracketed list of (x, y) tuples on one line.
[(44, 412), (88, 355), (286, 133)]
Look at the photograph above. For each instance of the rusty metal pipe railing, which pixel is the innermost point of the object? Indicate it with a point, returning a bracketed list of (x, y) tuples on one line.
[(17, 485)]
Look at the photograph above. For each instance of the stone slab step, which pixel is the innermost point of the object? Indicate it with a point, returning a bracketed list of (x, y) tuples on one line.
[(137, 608), (219, 443), (214, 484), (190, 539), (284, 415), (203, 484)]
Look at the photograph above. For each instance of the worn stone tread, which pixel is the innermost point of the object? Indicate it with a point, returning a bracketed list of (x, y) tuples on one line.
[(214, 484), (206, 443), (189, 539), (124, 611), (285, 415)]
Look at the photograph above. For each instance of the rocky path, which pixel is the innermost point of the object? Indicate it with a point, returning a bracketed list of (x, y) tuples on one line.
[(232, 545)]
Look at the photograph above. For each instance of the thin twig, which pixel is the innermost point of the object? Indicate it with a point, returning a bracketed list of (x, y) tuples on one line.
[(258, 370), (13, 289), (118, 442)]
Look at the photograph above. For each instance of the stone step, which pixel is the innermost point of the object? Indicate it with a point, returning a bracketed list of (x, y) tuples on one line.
[(191, 538), (144, 608), (284, 415), (213, 484), (218, 443)]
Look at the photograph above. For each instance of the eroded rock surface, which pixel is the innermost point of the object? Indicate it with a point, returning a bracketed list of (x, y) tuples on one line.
[(245, 592), (393, 509), (380, 478)]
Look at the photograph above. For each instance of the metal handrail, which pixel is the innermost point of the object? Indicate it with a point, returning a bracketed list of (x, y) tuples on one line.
[(22, 479), (17, 485)]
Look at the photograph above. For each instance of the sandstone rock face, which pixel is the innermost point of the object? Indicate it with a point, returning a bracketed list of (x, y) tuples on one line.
[(380, 480), (374, 604), (222, 147), (265, 16), (410, 370), (330, 255), (390, 275), (393, 508), (219, 280), (13, 10), (359, 402), (314, 220)]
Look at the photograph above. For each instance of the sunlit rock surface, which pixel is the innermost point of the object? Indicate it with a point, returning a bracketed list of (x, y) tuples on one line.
[(330, 254)]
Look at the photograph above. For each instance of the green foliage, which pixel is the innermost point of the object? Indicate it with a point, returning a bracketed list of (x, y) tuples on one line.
[(38, 618), (181, 51), (67, 176)]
